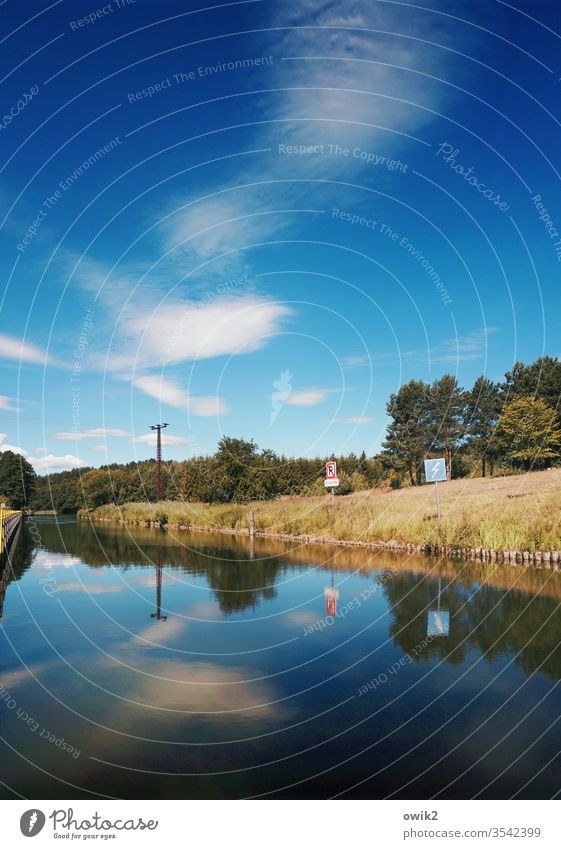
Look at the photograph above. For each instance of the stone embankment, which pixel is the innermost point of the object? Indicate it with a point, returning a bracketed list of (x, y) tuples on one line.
[(541, 559)]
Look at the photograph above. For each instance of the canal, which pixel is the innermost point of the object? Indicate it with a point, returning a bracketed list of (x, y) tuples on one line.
[(139, 663)]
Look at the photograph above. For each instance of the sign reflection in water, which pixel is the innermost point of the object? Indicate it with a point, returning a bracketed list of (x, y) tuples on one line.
[(438, 621)]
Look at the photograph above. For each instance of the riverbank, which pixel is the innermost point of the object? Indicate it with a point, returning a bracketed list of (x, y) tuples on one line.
[(512, 519)]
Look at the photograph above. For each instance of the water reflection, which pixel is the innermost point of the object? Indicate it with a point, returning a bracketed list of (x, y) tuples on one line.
[(158, 614), (496, 608), (438, 620), (14, 565), (246, 663), (520, 616)]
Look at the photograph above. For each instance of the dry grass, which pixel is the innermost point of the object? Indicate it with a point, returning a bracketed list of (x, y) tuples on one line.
[(519, 512)]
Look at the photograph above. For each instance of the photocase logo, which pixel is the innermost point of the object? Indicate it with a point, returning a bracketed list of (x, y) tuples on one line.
[(282, 390), (32, 822)]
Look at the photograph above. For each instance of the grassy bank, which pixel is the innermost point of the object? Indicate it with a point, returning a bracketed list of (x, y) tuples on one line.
[(520, 512)]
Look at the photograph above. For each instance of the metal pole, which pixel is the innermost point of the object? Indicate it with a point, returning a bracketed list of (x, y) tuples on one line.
[(159, 464), (333, 498), (158, 429), (158, 564), (437, 499)]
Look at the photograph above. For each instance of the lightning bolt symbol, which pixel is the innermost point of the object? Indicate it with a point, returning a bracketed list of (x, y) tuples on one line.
[(32, 820), (434, 471)]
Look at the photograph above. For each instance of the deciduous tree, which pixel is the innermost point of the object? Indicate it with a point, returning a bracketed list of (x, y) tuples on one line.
[(17, 479), (529, 432)]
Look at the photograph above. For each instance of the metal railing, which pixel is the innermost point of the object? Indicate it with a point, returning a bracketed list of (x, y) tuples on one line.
[(9, 520)]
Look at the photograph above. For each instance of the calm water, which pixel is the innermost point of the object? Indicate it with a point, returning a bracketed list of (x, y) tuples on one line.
[(147, 664)]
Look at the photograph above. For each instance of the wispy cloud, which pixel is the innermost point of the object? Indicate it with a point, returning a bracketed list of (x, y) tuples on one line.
[(167, 439), (470, 347), (466, 348), (168, 392), (338, 94), (354, 420), (308, 397), (218, 225), (6, 404), (334, 78), (91, 433), (16, 349)]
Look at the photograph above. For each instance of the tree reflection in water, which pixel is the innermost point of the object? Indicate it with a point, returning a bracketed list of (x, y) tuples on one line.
[(15, 565), (495, 608), (495, 619)]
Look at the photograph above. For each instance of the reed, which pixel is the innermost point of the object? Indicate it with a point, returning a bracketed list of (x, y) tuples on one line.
[(516, 512)]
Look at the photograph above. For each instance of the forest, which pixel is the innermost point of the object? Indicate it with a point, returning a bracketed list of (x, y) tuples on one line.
[(490, 428)]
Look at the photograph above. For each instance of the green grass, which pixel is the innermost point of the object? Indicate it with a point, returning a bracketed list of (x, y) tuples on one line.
[(519, 512)]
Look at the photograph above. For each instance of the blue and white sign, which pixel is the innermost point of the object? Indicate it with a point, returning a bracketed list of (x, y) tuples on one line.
[(438, 623), (435, 470)]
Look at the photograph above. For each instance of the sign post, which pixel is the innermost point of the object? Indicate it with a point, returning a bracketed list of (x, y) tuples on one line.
[(331, 479), (438, 623), (435, 470)]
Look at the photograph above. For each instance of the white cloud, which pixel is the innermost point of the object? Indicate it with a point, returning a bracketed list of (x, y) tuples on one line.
[(52, 463), (356, 361), (470, 347), (168, 392), (217, 225), (328, 84), (354, 420), (173, 333), (6, 404), (473, 346), (91, 433), (5, 446), (15, 349), (51, 560), (163, 389), (307, 397), (330, 62), (167, 439), (46, 463)]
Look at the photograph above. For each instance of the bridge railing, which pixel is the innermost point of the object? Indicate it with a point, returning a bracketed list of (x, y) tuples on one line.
[(9, 520)]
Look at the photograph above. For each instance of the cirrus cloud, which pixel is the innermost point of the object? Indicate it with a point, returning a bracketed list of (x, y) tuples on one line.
[(167, 439), (168, 392), (91, 433)]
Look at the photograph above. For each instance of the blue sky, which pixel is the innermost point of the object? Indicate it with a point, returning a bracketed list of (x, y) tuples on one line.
[(259, 221)]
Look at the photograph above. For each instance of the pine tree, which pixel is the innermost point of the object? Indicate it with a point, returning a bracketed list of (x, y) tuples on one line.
[(362, 467), (481, 415), (408, 435), (446, 406)]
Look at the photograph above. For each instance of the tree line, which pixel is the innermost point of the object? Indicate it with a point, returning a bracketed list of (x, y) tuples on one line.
[(513, 424), (493, 426), (238, 471)]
